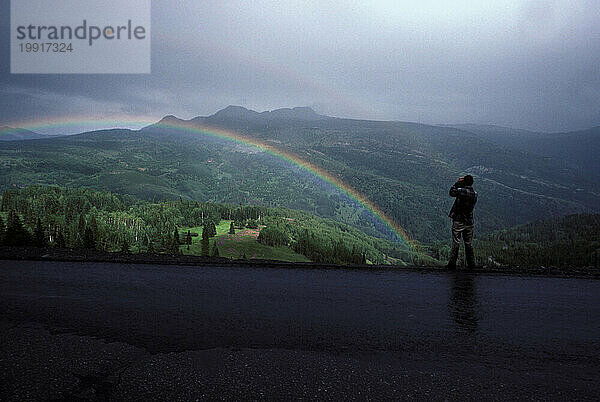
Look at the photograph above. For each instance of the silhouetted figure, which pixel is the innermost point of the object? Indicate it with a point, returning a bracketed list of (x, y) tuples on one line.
[(463, 301), (462, 219)]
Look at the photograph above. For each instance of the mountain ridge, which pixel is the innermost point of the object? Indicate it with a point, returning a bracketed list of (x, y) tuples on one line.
[(579, 148), (15, 134), (242, 113)]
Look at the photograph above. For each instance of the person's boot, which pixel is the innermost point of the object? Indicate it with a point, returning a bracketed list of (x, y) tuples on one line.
[(470, 256), (452, 261)]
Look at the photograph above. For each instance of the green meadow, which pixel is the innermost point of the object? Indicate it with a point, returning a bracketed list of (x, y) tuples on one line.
[(242, 244)]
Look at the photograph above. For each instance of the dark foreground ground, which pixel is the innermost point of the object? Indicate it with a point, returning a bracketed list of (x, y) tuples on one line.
[(104, 331)]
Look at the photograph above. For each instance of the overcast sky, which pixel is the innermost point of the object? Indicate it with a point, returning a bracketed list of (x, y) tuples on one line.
[(524, 64)]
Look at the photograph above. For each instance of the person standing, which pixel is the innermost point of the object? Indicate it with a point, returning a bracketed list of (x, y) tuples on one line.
[(462, 220)]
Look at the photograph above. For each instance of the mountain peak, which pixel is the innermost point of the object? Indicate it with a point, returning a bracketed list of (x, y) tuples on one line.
[(242, 113), (298, 113), (169, 119), (235, 112)]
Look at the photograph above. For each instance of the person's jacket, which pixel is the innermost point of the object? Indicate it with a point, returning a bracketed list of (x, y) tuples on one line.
[(462, 210)]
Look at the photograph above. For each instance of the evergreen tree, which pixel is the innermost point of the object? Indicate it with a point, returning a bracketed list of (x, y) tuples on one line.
[(125, 245), (93, 225), (89, 242), (175, 242), (39, 235), (2, 231), (165, 243), (210, 229), (16, 234), (205, 245), (79, 235), (176, 236), (231, 228), (59, 239), (150, 246), (90, 234)]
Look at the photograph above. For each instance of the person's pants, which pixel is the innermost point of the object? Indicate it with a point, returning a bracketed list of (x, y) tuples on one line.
[(459, 230)]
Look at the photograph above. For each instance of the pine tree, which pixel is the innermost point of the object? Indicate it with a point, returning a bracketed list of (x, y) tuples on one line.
[(88, 239), (94, 232), (59, 239), (175, 242), (78, 241), (2, 231), (231, 228), (150, 246), (16, 234), (90, 234), (205, 245), (210, 228), (125, 245), (39, 235), (176, 236)]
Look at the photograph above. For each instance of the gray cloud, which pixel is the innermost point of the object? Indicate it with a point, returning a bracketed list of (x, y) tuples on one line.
[(528, 64)]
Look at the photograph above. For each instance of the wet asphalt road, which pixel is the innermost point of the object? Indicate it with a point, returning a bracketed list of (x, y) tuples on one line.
[(101, 331)]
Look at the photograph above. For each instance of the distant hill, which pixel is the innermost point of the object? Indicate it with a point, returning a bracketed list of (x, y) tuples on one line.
[(579, 149), (404, 168), (506, 136), (15, 134)]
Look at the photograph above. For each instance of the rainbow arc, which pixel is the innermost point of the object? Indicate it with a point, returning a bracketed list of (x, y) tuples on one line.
[(232, 136)]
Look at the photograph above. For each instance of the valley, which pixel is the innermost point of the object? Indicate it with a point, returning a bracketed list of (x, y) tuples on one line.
[(403, 168)]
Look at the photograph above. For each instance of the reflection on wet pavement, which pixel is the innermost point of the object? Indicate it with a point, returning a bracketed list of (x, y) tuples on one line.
[(462, 303)]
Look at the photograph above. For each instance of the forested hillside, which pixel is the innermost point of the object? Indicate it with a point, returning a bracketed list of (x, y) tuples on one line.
[(572, 240), (568, 241), (403, 168), (85, 218)]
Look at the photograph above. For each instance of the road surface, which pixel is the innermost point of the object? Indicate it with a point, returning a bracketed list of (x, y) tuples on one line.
[(103, 331)]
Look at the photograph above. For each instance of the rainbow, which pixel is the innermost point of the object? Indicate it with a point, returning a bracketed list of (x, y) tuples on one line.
[(235, 137)]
